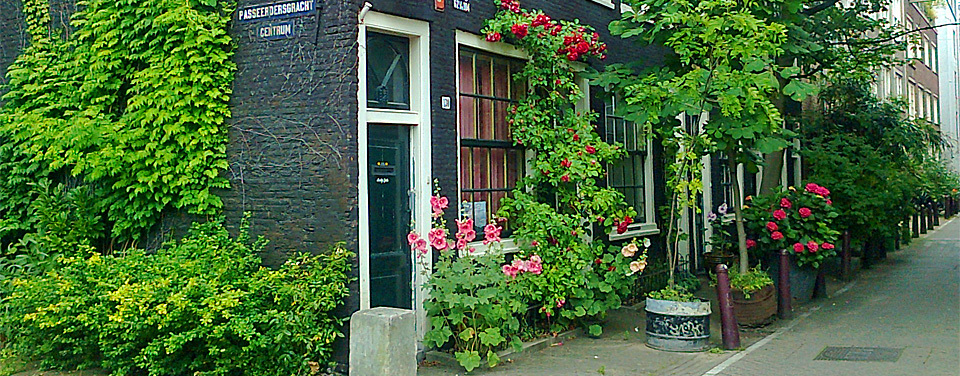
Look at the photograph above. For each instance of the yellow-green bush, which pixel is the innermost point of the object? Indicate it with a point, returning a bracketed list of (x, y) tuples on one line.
[(203, 306)]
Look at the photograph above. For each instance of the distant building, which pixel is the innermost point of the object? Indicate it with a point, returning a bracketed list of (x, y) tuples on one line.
[(917, 80), (948, 40)]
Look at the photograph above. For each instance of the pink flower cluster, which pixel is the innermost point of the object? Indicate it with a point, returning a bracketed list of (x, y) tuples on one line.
[(817, 190), (533, 265), (811, 246), (465, 233), (491, 233), (439, 204)]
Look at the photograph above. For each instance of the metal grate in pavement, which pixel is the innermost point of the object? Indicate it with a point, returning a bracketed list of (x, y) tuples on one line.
[(861, 354)]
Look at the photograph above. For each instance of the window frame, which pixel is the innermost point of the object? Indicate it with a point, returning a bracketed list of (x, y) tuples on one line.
[(648, 226)]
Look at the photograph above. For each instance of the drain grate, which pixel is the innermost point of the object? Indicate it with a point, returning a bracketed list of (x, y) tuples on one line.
[(861, 354)]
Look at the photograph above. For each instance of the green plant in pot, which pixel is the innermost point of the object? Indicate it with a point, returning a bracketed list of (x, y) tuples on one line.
[(800, 221), (722, 243), (754, 298)]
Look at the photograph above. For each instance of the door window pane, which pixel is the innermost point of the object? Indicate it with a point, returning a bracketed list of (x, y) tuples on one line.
[(627, 175), (388, 71)]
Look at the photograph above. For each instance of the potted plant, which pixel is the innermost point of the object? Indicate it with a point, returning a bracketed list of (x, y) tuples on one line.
[(754, 297), (800, 221), (677, 321), (722, 244)]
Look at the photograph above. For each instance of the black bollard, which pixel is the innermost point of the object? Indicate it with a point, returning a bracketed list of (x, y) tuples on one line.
[(820, 287), (935, 207), (845, 256), (728, 322), (924, 216), (784, 309)]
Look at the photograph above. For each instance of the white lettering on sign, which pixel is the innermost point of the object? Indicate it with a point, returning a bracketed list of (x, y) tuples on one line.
[(276, 31), (463, 5), (288, 9)]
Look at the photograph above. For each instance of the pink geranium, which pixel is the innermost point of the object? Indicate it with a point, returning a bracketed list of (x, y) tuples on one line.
[(827, 246), (785, 203), (776, 235), (751, 243), (772, 226), (812, 246), (812, 188), (798, 247), (805, 212), (779, 214)]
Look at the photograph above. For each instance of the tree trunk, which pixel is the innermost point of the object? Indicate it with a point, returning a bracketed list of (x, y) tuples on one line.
[(738, 215)]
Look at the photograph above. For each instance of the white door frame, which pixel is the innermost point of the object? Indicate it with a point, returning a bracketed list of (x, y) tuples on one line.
[(418, 118)]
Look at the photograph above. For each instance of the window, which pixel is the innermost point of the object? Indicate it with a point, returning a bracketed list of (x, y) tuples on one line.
[(490, 163), (628, 175), (388, 76), (725, 181)]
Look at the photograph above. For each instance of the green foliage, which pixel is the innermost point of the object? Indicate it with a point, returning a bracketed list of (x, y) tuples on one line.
[(687, 282), (878, 163), (203, 306), (553, 209), (673, 294), (132, 103), (801, 221), (749, 282)]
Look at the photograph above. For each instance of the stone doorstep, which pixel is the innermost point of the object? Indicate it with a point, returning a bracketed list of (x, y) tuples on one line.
[(448, 359)]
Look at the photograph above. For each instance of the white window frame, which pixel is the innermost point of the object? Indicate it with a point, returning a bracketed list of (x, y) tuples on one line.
[(606, 3), (649, 226), (420, 147)]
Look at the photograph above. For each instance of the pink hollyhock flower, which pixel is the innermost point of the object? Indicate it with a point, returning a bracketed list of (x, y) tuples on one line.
[(461, 243), (519, 30), (421, 246), (805, 212), (776, 235), (779, 214), (493, 37), (798, 248), (535, 265), (751, 243), (465, 225), (812, 246), (510, 270), (785, 203), (491, 233), (590, 149), (438, 204), (637, 266), (412, 238), (629, 250), (772, 226), (827, 246), (438, 238)]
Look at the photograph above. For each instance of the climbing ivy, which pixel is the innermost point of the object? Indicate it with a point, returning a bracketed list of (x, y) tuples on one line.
[(130, 100)]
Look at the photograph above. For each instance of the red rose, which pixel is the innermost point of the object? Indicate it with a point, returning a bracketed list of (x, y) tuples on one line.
[(772, 226), (573, 56), (751, 243), (520, 30), (812, 246), (611, 268), (827, 246), (541, 20), (776, 235), (779, 214), (627, 219), (785, 203), (576, 137), (622, 227), (493, 37), (805, 212), (598, 261), (583, 47), (566, 163), (565, 178), (590, 149), (798, 248)]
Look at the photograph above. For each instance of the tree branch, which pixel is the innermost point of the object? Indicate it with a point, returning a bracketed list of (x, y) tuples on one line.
[(892, 37), (819, 7)]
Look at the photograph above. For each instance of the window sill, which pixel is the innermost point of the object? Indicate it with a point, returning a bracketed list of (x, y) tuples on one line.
[(636, 230), (606, 3), (507, 246)]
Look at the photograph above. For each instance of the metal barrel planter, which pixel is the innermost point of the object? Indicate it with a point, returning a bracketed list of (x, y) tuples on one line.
[(678, 326), (758, 310)]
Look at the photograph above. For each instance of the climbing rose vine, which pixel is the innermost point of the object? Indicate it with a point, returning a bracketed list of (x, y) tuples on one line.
[(555, 209)]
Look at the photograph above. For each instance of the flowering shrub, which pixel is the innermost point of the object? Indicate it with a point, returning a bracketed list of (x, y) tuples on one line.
[(721, 241), (554, 209), (797, 220), (475, 303)]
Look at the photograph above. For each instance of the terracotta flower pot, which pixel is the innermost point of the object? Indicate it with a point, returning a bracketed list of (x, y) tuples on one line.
[(758, 310)]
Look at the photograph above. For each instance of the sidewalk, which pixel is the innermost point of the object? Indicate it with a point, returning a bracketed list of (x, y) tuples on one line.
[(843, 320)]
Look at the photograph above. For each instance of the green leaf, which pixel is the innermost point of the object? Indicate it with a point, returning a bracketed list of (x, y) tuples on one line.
[(491, 337), (492, 358), (468, 359), (595, 330)]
